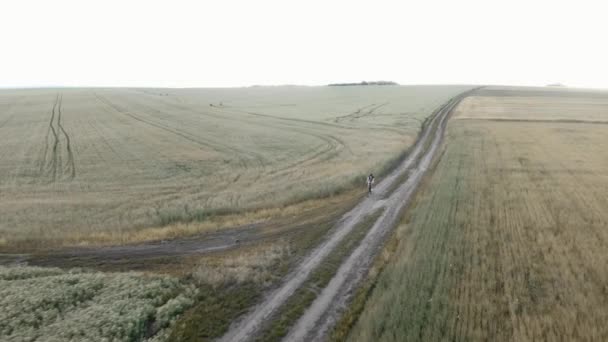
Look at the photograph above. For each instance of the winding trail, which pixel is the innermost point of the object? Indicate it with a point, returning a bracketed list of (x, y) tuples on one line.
[(322, 314)]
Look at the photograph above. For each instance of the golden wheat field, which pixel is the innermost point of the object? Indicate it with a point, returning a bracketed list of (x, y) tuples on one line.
[(508, 239), (86, 165)]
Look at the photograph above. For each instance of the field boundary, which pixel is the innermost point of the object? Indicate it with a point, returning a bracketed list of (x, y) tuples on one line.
[(570, 121)]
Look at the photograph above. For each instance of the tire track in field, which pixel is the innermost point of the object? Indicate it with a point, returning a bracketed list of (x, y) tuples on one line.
[(244, 155), (42, 160), (52, 166), (55, 157), (361, 112), (296, 125), (115, 109), (51, 163), (332, 143), (221, 148), (323, 124), (70, 166)]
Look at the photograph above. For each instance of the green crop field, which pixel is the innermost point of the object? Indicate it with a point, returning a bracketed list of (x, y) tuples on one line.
[(108, 165), (508, 239)]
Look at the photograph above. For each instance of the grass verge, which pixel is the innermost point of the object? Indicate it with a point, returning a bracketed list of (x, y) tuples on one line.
[(435, 125), (214, 310), (349, 318)]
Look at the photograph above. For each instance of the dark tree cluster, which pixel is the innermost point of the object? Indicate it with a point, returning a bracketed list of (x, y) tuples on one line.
[(364, 83)]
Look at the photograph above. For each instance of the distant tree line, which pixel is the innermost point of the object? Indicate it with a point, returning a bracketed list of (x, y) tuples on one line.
[(364, 83)]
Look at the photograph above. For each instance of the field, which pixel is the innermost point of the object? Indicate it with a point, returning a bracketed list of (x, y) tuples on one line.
[(504, 240), (109, 166), (507, 239)]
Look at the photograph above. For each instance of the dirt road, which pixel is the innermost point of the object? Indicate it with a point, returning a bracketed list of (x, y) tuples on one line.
[(321, 315)]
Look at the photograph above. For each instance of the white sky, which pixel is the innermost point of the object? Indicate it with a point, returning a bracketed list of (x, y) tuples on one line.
[(238, 43)]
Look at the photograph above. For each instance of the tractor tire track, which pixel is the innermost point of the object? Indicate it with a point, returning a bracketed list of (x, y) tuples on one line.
[(70, 166), (352, 270), (331, 146), (361, 112), (332, 143), (42, 159), (260, 161), (165, 128), (53, 163), (51, 166)]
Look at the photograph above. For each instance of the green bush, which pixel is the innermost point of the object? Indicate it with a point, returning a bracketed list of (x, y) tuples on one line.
[(49, 304)]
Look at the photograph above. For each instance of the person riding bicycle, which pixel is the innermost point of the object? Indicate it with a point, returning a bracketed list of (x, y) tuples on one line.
[(370, 182)]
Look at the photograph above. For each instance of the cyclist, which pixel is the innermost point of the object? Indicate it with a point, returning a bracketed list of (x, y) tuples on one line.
[(370, 182)]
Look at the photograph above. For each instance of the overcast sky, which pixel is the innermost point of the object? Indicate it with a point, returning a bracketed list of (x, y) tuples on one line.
[(239, 43)]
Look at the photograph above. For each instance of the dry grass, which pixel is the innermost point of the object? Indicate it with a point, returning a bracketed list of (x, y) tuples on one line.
[(103, 165), (507, 241), (242, 265), (270, 216), (534, 108)]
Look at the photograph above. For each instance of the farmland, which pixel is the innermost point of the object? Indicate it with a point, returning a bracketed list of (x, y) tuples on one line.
[(111, 166), (504, 240), (507, 239)]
